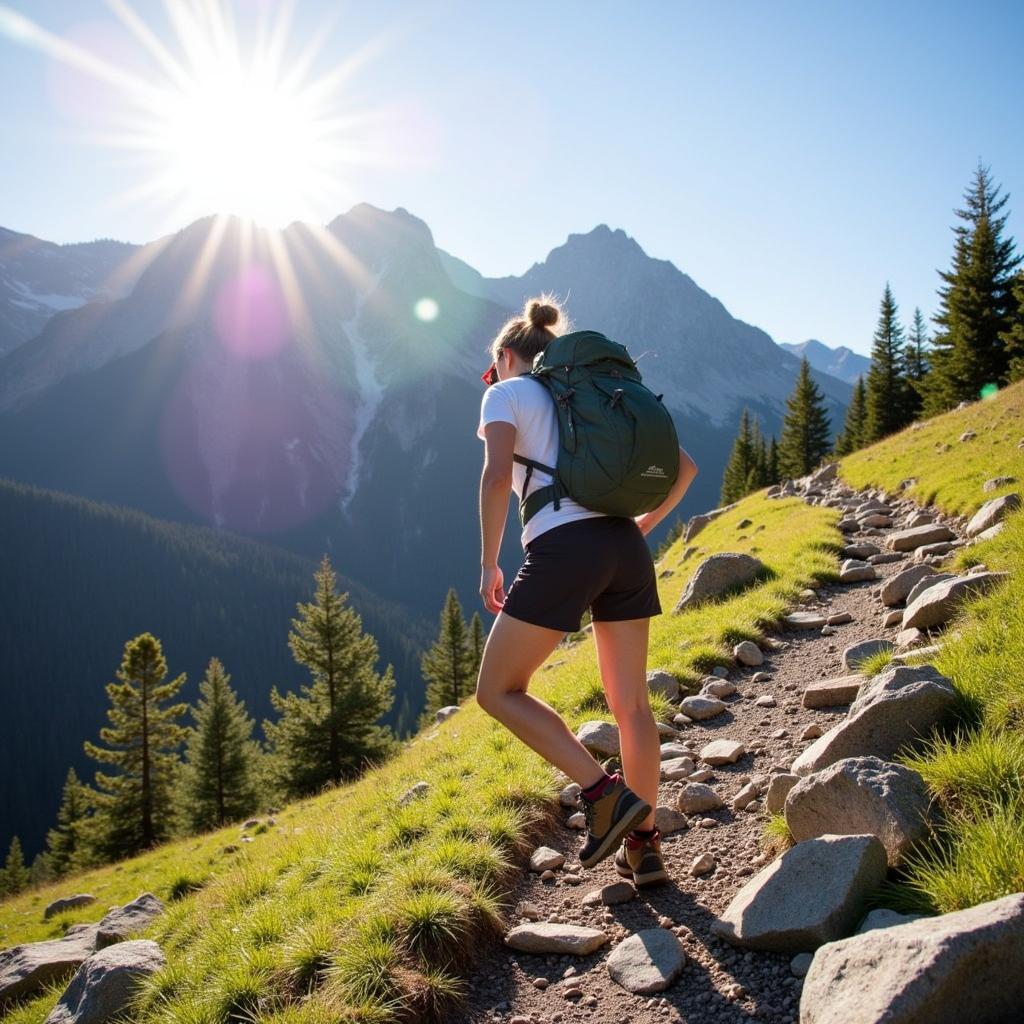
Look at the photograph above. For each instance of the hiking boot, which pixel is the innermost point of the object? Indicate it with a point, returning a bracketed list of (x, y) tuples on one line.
[(640, 860), (609, 818)]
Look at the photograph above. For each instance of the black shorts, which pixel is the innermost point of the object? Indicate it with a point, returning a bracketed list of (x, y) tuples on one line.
[(602, 563)]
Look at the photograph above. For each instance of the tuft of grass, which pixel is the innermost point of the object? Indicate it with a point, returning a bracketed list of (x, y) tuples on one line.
[(874, 663), (775, 836)]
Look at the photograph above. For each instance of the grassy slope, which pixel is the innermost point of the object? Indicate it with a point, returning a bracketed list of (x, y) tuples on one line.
[(976, 766), (367, 904)]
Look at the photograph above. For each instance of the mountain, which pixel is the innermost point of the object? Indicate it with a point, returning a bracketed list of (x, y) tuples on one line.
[(81, 579), (293, 385), (39, 279), (841, 362), (707, 362)]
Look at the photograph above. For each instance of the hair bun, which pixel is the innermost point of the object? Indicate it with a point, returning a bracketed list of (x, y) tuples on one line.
[(541, 314)]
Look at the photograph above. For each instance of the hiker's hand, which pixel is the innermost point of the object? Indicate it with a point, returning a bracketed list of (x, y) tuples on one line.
[(644, 522), (492, 588)]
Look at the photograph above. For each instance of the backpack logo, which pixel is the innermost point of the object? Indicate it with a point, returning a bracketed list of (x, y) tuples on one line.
[(653, 471)]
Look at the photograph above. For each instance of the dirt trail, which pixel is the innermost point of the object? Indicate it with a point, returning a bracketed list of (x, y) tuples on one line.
[(526, 988)]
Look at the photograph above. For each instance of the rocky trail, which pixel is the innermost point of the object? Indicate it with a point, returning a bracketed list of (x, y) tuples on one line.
[(637, 972)]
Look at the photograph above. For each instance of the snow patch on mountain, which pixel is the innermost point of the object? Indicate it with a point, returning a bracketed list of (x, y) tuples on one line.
[(368, 392)]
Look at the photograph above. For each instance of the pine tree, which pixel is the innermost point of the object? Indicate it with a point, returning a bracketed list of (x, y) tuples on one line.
[(758, 475), (852, 436), (134, 809), (15, 875), (975, 303), (741, 462), (915, 363), (806, 430), (1013, 337), (328, 732), (220, 781), (64, 841), (886, 384), (448, 665), (477, 641), (772, 464)]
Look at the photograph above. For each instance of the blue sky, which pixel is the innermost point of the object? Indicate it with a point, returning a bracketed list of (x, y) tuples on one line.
[(791, 157)]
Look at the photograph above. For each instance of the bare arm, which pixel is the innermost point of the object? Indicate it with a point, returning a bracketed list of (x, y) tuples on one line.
[(687, 471), (495, 484)]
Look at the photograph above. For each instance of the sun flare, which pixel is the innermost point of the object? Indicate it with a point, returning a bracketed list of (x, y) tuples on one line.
[(220, 120)]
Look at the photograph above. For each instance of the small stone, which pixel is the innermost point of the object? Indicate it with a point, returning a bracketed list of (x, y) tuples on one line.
[(766, 700), (839, 618), (545, 859), (800, 964), (708, 823), (702, 865)]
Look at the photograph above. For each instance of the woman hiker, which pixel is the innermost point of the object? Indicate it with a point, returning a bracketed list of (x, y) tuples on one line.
[(575, 558)]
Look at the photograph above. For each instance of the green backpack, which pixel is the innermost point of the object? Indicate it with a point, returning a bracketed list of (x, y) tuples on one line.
[(618, 450)]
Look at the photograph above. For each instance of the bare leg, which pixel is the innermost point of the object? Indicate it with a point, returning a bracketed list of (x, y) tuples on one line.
[(622, 657), (513, 652)]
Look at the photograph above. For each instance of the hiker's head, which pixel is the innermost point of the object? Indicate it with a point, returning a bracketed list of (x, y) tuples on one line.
[(522, 337)]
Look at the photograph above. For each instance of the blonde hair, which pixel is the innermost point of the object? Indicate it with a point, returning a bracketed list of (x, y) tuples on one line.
[(541, 320)]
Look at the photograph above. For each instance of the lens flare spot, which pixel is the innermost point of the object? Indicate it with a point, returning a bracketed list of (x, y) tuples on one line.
[(989, 390), (426, 309), (251, 315)]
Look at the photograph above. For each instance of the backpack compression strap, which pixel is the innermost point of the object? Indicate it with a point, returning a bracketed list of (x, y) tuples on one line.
[(534, 502)]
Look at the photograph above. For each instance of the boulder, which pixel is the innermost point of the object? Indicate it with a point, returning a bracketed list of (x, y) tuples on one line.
[(544, 858), (124, 921), (929, 581), (722, 752), (549, 937), (893, 678), (677, 768), (892, 717), (700, 708), (720, 574), (103, 986), (828, 693), (600, 738), (883, 917), (896, 588), (82, 899), (928, 553), (696, 797), (992, 512), (860, 795), (992, 531), (663, 683), (697, 523), (962, 966), (647, 961), (929, 533), (446, 712), (858, 652), (863, 550), (746, 652), (778, 790), (938, 604), (996, 482), (804, 620), (814, 893), (854, 571), (28, 968)]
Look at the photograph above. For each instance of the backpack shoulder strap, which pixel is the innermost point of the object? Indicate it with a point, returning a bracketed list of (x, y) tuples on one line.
[(535, 501)]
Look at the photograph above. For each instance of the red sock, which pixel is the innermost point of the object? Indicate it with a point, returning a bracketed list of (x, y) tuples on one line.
[(639, 836), (593, 792)]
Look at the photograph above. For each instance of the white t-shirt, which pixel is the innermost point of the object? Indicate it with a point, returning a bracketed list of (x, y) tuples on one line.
[(527, 405)]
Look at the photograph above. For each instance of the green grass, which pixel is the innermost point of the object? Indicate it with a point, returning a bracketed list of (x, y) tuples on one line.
[(775, 835), (352, 908), (975, 766), (949, 478)]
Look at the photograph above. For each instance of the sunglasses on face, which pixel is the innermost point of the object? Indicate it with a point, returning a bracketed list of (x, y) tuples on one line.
[(491, 375)]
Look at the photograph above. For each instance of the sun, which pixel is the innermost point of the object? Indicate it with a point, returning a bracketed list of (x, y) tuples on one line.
[(239, 142), (228, 118)]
